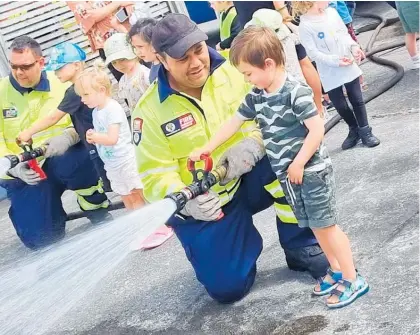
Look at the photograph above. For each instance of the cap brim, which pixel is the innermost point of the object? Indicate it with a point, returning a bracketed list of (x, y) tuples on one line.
[(178, 50), (120, 55), (53, 67)]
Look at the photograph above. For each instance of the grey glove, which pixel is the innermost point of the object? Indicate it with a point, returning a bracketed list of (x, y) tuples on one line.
[(58, 145), (206, 207), (24, 173), (241, 158)]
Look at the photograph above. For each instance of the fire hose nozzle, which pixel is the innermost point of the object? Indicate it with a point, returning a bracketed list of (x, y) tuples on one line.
[(199, 186)]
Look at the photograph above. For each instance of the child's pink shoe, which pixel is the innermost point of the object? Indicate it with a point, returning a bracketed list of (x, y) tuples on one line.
[(160, 236)]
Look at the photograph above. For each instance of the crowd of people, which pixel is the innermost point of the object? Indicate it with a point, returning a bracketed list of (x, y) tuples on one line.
[(255, 103)]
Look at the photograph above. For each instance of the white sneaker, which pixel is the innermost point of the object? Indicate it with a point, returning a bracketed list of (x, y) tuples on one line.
[(415, 64)]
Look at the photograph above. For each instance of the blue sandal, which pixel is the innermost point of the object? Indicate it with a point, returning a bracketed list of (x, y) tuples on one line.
[(352, 291), (325, 286)]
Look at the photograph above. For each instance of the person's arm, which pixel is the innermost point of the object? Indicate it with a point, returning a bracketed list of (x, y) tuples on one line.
[(98, 14), (281, 7), (41, 125), (4, 150), (305, 110), (246, 112), (235, 29), (226, 132), (307, 40), (109, 139), (310, 145)]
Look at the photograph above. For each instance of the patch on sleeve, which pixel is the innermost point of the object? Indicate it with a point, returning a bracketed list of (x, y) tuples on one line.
[(137, 129), (179, 124)]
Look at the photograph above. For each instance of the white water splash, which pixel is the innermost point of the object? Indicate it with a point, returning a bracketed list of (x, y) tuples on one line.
[(35, 293)]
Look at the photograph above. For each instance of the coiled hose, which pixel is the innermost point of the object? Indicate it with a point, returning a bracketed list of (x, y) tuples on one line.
[(370, 54)]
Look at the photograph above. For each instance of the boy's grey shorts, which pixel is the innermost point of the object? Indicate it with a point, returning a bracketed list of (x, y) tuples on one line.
[(313, 202)]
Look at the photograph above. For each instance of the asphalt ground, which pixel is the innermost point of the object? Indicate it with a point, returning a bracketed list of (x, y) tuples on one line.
[(156, 292)]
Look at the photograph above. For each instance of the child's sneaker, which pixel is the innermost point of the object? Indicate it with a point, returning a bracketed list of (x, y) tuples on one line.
[(415, 63), (348, 291)]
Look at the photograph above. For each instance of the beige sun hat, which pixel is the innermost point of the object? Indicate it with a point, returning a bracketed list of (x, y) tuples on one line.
[(117, 47), (269, 18)]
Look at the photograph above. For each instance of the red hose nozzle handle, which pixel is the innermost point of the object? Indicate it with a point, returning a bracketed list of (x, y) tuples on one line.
[(208, 163)]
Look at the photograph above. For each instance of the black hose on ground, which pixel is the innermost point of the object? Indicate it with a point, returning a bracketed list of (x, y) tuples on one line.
[(370, 54)]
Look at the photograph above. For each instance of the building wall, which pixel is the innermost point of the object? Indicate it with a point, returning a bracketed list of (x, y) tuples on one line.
[(51, 23)]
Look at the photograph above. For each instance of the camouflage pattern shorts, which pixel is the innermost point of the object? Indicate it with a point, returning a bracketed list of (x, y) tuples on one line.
[(313, 202)]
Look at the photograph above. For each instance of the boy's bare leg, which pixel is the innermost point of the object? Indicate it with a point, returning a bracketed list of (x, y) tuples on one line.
[(334, 240), (312, 78)]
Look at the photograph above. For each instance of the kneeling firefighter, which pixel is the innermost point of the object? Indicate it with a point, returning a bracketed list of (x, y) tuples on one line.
[(36, 210), (197, 90)]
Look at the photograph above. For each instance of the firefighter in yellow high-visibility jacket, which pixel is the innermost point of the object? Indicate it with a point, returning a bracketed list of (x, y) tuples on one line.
[(197, 90), (26, 95)]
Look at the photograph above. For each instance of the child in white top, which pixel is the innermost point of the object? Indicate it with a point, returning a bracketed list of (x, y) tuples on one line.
[(111, 135), (336, 54), (135, 80)]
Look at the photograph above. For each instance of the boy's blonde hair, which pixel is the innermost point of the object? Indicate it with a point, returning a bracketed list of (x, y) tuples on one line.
[(301, 7), (94, 77), (254, 45)]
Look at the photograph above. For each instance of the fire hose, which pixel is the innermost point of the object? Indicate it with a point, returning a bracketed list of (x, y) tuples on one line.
[(203, 179)]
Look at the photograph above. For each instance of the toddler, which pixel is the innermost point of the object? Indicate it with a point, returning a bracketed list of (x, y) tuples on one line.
[(111, 135)]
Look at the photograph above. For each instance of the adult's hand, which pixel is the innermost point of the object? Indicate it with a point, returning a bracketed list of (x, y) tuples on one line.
[(206, 207), (241, 158), (58, 145), (24, 173)]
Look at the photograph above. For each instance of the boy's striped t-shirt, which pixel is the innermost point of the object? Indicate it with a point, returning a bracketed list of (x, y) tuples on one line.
[(280, 116)]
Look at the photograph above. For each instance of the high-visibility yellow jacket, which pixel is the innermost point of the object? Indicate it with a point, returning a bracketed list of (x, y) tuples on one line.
[(168, 125), (226, 23), (21, 108)]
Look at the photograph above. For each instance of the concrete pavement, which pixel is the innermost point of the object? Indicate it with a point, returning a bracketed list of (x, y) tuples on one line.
[(156, 292)]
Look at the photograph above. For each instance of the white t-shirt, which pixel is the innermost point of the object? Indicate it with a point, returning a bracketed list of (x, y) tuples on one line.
[(326, 40), (134, 87), (115, 156)]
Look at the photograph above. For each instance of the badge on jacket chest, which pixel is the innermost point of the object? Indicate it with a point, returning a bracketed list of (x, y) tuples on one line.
[(10, 112), (179, 124)]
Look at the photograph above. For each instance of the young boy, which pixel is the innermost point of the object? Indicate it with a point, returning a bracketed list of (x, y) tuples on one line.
[(229, 23), (67, 60), (293, 131)]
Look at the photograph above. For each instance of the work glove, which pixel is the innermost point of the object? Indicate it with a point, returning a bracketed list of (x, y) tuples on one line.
[(241, 158), (205, 207), (58, 145), (24, 173)]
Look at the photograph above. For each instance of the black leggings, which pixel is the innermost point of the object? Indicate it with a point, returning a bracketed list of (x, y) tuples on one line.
[(356, 117)]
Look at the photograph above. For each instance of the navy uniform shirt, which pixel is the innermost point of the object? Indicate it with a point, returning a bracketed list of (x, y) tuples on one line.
[(80, 114)]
